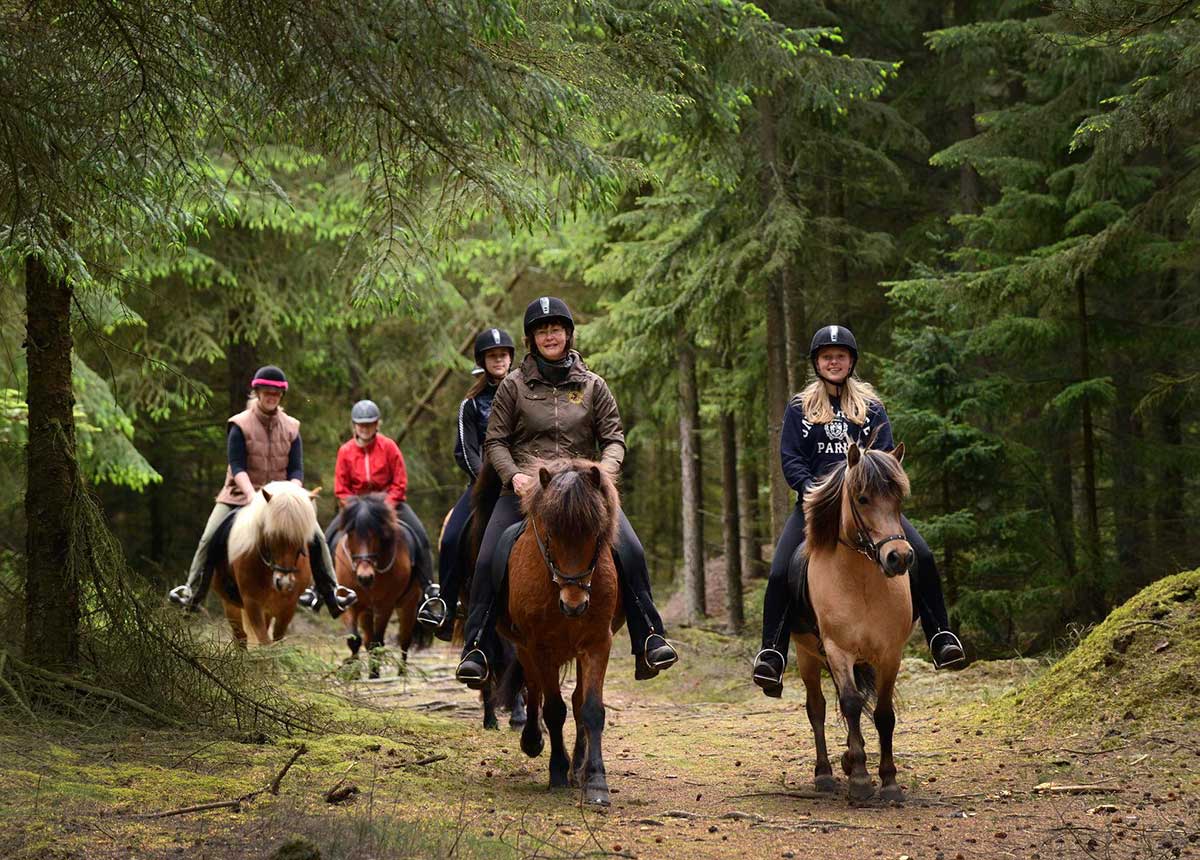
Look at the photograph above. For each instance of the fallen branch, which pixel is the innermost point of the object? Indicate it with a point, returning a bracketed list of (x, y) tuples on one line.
[(1148, 621), (429, 759), (84, 687), (803, 795), (235, 805), (1054, 788)]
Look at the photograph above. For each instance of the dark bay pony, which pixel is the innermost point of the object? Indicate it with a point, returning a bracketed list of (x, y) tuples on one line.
[(563, 606), (372, 557), (265, 564), (858, 562)]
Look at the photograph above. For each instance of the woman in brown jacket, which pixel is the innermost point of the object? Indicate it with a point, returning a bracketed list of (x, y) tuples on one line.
[(553, 406)]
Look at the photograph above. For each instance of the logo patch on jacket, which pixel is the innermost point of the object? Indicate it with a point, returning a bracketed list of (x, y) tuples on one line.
[(836, 430), (576, 397)]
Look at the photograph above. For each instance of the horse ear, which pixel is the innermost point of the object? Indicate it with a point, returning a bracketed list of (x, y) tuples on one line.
[(597, 478), (898, 452), (266, 495), (544, 475), (853, 454)]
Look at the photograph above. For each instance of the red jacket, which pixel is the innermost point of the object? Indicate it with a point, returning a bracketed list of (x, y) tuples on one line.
[(377, 468)]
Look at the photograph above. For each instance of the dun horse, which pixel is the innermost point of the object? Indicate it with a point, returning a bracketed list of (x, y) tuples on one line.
[(858, 563), (265, 564), (372, 557), (563, 606)]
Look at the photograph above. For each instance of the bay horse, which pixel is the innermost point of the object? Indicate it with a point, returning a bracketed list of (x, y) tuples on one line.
[(858, 589), (265, 563), (563, 605), (372, 557)]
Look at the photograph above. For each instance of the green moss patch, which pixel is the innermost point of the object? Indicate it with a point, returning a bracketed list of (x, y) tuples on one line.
[(1141, 664)]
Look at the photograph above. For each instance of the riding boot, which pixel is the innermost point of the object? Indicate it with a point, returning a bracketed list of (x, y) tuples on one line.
[(337, 598), (479, 651), (647, 633), (929, 604), (771, 661)]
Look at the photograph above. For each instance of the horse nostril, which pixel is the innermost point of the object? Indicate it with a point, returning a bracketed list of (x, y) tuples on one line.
[(909, 558)]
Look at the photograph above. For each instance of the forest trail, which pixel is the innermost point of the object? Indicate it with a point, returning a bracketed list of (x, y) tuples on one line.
[(725, 779)]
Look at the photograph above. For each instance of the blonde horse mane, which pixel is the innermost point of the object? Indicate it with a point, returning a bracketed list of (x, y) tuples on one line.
[(288, 517)]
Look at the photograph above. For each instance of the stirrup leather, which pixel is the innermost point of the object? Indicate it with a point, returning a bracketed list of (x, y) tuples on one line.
[(769, 678)]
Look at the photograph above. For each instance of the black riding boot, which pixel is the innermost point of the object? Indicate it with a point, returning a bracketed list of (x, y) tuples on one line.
[(451, 564), (337, 598), (487, 593), (771, 661), (647, 633), (930, 606)]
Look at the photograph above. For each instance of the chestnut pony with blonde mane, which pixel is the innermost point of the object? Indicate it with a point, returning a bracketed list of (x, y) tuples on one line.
[(266, 563), (563, 606), (858, 587)]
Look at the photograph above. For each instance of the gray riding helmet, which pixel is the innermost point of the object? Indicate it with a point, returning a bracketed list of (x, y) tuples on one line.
[(364, 412)]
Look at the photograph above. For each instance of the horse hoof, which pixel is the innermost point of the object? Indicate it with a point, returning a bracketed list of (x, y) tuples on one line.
[(597, 795), (491, 724), (861, 788), (373, 674), (531, 744), (825, 782), (515, 722), (559, 780), (893, 793)]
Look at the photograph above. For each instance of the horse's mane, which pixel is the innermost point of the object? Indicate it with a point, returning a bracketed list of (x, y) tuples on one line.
[(579, 502), (877, 475), (289, 517), (371, 514)]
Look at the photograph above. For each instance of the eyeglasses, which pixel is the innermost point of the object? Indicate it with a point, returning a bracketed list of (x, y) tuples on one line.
[(547, 331)]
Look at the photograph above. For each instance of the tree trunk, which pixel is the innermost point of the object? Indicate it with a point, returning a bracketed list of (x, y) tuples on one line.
[(52, 474), (1093, 586), (730, 523), (796, 322), (689, 462), (1128, 492), (777, 358), (241, 360), (747, 489)]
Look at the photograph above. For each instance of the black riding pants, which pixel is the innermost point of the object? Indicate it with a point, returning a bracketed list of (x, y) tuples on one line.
[(422, 564), (641, 616), (450, 564), (928, 603)]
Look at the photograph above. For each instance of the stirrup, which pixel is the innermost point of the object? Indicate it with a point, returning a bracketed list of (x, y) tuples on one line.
[(181, 596), (764, 680), (954, 640), (426, 614), (345, 597), (309, 599), (472, 681), (665, 663)]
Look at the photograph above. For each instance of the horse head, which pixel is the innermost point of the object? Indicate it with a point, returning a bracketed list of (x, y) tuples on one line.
[(573, 513), (371, 536), (279, 524), (858, 506)]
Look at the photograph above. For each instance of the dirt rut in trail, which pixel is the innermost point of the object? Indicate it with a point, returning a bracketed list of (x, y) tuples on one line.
[(723, 779)]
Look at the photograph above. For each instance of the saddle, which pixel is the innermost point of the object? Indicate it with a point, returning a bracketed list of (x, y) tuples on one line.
[(504, 548), (803, 617), (218, 553)]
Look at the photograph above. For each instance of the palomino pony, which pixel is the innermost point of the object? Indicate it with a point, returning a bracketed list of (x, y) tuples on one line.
[(266, 565), (563, 605), (372, 558), (858, 561)]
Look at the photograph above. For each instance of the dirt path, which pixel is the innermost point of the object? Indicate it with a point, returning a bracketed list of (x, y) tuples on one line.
[(693, 778)]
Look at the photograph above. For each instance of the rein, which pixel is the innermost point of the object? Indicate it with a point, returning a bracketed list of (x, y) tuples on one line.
[(556, 574), (863, 545)]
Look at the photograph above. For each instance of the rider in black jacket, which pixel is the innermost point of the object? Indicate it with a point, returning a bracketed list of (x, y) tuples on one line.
[(494, 351)]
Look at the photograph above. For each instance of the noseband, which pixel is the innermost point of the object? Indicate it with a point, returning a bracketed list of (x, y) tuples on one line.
[(369, 557), (556, 575), (279, 568), (863, 545)]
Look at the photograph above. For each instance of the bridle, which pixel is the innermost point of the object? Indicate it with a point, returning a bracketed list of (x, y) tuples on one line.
[(280, 568), (556, 575), (863, 545), (369, 557)]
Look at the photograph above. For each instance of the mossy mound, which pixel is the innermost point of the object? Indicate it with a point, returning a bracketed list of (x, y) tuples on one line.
[(1141, 664)]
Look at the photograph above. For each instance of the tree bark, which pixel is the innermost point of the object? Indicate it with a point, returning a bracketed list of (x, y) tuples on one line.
[(777, 357), (689, 462), (797, 323), (241, 360), (52, 474), (1093, 596), (1128, 491), (735, 613), (747, 489)]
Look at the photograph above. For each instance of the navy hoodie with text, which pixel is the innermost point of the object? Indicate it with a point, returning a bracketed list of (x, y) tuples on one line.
[(809, 451)]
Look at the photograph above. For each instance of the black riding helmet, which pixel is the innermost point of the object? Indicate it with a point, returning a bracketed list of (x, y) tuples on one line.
[(493, 338), (545, 309), (833, 335), (269, 376)]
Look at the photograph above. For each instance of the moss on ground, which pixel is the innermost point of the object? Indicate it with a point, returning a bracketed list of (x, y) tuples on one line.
[(1141, 664)]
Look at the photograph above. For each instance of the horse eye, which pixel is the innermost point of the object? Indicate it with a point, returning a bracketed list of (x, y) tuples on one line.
[(863, 500)]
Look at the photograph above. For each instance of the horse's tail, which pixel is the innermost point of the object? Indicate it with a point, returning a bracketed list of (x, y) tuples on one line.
[(864, 679), (512, 682)]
